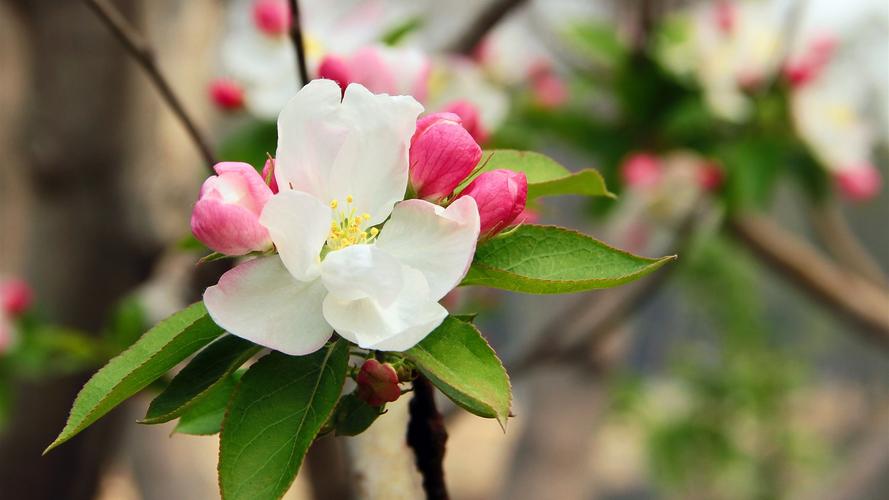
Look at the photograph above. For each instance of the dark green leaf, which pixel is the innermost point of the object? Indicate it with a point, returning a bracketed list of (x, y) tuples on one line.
[(549, 259), (205, 417), (545, 176), (207, 369), (353, 416), (160, 349), (274, 415), (457, 359)]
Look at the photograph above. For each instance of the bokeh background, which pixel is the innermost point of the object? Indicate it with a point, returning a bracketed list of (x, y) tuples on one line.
[(735, 373)]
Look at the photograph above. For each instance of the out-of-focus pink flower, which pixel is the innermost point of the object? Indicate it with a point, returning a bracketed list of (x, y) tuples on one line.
[(383, 70), (227, 94), (470, 118), (15, 296), (859, 183), (377, 383), (268, 175), (226, 216), (726, 15), (500, 196), (710, 177), (807, 66), (641, 170), (442, 154), (272, 17), (549, 90)]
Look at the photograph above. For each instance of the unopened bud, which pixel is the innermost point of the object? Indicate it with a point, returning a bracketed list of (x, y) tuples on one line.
[(15, 296), (227, 94), (470, 119), (377, 383), (500, 196), (272, 17), (268, 175), (442, 155), (641, 170), (859, 183)]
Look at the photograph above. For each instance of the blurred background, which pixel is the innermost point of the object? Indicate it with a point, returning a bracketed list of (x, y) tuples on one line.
[(747, 136)]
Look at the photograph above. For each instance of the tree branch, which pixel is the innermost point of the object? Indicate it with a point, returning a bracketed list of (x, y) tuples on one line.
[(426, 434), (490, 16), (847, 294), (839, 239), (296, 35), (141, 51)]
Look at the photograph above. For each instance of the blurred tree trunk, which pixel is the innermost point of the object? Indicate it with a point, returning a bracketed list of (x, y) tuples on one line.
[(79, 259)]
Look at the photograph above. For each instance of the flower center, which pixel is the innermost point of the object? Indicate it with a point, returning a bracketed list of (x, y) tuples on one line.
[(346, 227)]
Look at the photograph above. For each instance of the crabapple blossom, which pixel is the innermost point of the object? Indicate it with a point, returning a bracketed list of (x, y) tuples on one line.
[(442, 155), (226, 215), (15, 296), (272, 17), (641, 170), (377, 383), (859, 182), (227, 94), (470, 118), (389, 70), (352, 256), (501, 195)]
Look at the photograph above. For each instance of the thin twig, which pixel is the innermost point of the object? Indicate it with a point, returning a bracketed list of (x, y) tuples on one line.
[(846, 293), (426, 434), (296, 33), (834, 232), (141, 51), (489, 18)]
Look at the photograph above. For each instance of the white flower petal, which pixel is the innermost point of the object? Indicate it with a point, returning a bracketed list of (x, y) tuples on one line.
[(362, 271), (261, 302), (298, 224), (436, 241), (395, 328)]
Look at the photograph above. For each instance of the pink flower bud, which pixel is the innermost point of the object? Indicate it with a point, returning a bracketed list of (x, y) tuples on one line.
[(337, 69), (227, 94), (226, 216), (272, 17), (15, 296), (806, 67), (500, 196), (710, 177), (726, 16), (641, 170), (549, 90), (377, 383), (471, 120), (268, 175), (442, 154), (859, 183)]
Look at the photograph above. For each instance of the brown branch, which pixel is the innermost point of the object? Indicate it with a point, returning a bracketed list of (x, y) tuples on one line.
[(846, 293), (834, 232), (426, 434), (141, 51), (489, 18), (296, 35)]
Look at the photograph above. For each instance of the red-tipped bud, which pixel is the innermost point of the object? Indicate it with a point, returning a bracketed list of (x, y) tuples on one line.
[(377, 383), (806, 67), (471, 120), (15, 296), (710, 177), (268, 175), (335, 68), (859, 183), (442, 154), (641, 170), (226, 217), (500, 196), (227, 94), (272, 17)]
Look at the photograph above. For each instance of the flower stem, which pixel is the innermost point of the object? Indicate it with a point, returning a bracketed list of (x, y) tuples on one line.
[(426, 434), (296, 34)]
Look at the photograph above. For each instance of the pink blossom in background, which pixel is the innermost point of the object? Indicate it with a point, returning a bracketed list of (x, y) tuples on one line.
[(272, 17), (641, 170), (710, 177), (337, 69), (470, 118), (859, 183), (549, 90), (807, 66), (382, 70), (442, 155), (227, 94), (500, 195), (226, 216), (15, 296), (725, 15)]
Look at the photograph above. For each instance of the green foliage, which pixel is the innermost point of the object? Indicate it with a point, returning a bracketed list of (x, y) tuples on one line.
[(274, 415), (549, 259), (205, 416), (159, 350), (598, 41), (353, 416), (251, 144), (398, 32), (208, 369), (460, 363), (545, 176)]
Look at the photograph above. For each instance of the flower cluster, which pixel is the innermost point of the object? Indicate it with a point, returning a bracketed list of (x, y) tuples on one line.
[(338, 246)]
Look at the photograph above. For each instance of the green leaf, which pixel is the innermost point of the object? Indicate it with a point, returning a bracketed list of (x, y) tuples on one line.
[(550, 259), (205, 371), (274, 415), (353, 416), (545, 176), (204, 418), (160, 349), (457, 359)]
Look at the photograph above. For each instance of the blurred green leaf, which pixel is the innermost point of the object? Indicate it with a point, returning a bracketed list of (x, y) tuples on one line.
[(353, 416), (251, 144)]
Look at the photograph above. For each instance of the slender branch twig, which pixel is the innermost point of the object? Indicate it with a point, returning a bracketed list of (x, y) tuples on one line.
[(834, 232), (426, 434), (141, 51), (296, 34), (489, 17), (853, 297)]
